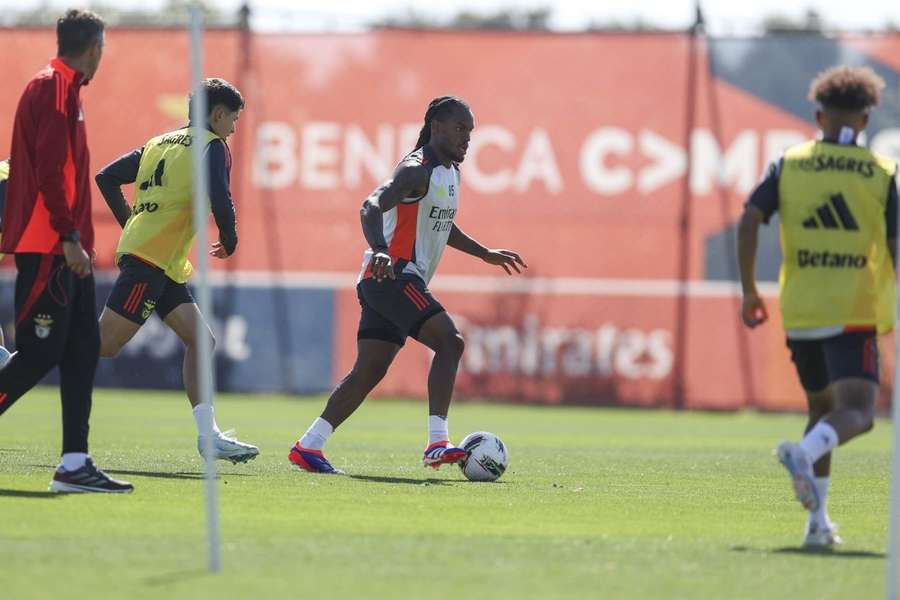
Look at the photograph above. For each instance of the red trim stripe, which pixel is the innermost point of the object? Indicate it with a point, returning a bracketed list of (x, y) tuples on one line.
[(130, 296), (38, 287), (65, 93), (869, 352), (2, 398), (413, 298), (417, 293), (134, 299), (140, 296), (405, 232)]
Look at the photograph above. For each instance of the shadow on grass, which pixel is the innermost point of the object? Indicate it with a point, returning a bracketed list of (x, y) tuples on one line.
[(406, 480), (175, 577), (175, 475), (815, 552), (163, 475), (28, 494)]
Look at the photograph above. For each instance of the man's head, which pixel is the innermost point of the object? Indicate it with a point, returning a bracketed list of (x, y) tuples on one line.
[(845, 96), (448, 126), (79, 40), (223, 105)]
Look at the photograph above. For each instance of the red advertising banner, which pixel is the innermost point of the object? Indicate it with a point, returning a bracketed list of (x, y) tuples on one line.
[(592, 156)]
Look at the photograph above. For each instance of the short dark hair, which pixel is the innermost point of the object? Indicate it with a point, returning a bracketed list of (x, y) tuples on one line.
[(855, 89), (76, 31), (218, 92)]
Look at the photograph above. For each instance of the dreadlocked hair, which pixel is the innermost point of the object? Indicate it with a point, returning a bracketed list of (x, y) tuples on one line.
[(847, 88), (438, 108)]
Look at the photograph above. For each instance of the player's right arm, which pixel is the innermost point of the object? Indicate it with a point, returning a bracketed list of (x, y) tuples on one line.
[(760, 207), (410, 180), (753, 309), (112, 177)]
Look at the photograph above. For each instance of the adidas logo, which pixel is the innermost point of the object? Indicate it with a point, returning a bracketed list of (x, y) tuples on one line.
[(825, 216)]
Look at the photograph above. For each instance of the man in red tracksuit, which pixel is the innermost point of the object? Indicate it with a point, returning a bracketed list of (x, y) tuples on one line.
[(47, 226)]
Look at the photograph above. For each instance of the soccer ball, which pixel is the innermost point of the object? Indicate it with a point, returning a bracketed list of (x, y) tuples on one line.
[(486, 457)]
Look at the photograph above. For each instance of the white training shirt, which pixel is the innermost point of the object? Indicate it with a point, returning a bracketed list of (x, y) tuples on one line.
[(416, 230)]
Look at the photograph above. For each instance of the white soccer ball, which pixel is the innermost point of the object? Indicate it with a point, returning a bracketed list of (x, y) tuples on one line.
[(486, 457)]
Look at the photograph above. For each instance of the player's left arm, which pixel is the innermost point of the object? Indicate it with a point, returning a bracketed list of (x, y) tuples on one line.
[(509, 260), (112, 177), (220, 199)]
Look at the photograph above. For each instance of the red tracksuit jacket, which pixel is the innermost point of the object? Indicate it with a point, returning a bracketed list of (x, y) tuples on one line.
[(48, 193)]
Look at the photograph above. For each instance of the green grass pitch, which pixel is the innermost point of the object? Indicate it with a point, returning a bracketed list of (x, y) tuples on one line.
[(597, 503)]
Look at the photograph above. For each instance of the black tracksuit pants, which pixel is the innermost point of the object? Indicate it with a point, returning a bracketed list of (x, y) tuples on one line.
[(56, 325)]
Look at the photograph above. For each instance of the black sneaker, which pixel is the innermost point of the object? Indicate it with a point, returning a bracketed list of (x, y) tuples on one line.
[(87, 479)]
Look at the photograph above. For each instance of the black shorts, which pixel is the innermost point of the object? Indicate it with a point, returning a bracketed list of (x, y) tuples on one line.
[(394, 309), (822, 362), (142, 288)]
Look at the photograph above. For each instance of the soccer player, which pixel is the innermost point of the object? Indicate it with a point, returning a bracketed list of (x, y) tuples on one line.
[(47, 226), (157, 236), (407, 222), (838, 207)]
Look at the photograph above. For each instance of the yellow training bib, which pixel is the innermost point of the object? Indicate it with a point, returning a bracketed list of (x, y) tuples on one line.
[(836, 269), (160, 229)]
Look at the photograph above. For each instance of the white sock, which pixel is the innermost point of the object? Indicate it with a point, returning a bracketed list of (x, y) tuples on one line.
[(820, 440), (820, 517), (317, 434), (72, 461), (438, 429), (204, 416)]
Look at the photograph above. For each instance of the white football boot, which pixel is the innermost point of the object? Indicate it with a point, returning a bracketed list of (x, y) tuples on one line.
[(818, 537), (800, 468), (229, 448)]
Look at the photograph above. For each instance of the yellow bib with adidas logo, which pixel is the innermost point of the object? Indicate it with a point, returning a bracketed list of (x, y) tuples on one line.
[(837, 269), (160, 229)]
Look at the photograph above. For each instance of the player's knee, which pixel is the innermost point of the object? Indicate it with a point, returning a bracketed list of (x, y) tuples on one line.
[(867, 416), (369, 371), (453, 345), (869, 425), (193, 343)]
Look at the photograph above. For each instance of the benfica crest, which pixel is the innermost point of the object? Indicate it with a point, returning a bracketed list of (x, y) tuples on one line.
[(42, 324)]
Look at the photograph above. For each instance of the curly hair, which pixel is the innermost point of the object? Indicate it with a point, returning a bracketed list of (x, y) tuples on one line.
[(847, 88)]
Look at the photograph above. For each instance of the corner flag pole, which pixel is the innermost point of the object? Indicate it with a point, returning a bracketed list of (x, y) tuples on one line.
[(204, 351)]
